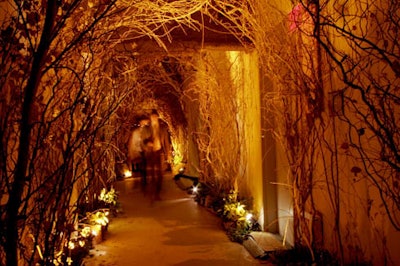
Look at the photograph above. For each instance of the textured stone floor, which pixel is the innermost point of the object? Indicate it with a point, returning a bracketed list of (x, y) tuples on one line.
[(173, 231)]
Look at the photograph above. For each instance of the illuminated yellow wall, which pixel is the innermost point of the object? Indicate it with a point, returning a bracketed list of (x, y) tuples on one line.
[(248, 97), (243, 74), (223, 104)]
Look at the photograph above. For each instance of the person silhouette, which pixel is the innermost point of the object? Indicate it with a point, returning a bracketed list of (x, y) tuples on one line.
[(136, 148), (156, 147)]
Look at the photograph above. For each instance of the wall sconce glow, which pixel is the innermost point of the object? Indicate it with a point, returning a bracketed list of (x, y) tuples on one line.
[(195, 189)]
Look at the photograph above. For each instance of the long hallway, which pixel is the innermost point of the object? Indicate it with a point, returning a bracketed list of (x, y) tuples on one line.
[(173, 231)]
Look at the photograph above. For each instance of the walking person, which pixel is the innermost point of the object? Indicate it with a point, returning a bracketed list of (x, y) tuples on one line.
[(136, 148), (156, 148)]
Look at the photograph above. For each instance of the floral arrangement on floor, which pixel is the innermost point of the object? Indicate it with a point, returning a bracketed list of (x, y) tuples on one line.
[(93, 222), (109, 198), (237, 220)]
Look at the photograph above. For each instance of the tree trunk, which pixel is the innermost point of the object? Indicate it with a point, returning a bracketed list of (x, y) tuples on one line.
[(18, 185)]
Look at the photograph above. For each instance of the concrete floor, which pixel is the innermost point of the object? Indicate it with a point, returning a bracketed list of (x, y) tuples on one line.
[(173, 231)]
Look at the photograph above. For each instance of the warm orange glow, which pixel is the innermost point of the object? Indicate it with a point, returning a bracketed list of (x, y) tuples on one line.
[(127, 173)]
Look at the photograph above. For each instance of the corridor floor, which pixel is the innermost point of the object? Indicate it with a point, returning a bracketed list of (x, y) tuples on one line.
[(174, 231)]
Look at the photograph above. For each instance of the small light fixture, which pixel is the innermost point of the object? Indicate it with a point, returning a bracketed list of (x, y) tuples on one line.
[(127, 173)]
